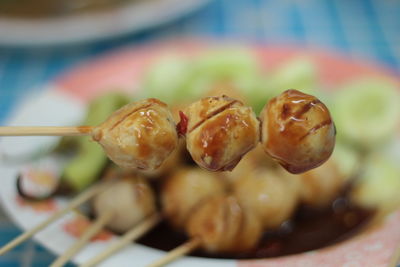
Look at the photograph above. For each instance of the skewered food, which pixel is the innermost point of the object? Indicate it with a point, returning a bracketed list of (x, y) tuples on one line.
[(129, 200), (140, 135), (173, 162), (297, 131), (270, 196), (320, 186), (186, 189), (223, 225), (220, 130)]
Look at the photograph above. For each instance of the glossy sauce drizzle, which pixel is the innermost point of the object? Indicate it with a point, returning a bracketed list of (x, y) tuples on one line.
[(309, 229)]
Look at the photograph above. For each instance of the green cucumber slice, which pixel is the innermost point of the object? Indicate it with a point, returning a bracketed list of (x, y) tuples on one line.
[(298, 73), (90, 160), (379, 185), (166, 79), (85, 167), (367, 111)]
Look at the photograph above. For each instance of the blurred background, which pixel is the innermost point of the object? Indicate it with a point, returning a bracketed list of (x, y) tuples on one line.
[(33, 53)]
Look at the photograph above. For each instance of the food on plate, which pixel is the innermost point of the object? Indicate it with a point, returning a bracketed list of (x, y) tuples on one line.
[(377, 187), (173, 162), (269, 195), (184, 190), (223, 225), (319, 187), (299, 72), (40, 180), (220, 130), (140, 135), (297, 130), (129, 200), (367, 111), (179, 79), (257, 209)]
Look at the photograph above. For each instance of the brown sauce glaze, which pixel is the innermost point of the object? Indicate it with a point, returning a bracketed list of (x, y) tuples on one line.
[(207, 115), (310, 229), (294, 119)]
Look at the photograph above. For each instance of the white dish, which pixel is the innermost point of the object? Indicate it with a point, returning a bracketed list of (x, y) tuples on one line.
[(132, 17)]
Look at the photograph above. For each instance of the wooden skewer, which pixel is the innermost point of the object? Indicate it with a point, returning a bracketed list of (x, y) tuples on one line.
[(78, 200), (177, 252), (94, 229), (45, 131), (127, 238)]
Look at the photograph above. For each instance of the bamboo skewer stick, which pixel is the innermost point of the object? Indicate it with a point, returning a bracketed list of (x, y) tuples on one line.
[(177, 252), (127, 238), (78, 200), (45, 131), (94, 229)]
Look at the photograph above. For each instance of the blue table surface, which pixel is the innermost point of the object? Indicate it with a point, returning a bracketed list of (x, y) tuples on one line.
[(367, 29)]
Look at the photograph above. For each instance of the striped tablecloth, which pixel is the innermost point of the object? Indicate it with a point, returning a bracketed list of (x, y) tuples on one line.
[(362, 29)]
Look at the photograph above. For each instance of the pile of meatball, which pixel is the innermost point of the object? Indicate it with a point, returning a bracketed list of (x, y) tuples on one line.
[(254, 171)]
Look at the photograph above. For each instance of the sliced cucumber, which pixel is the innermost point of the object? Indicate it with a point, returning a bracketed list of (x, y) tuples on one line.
[(226, 63), (90, 160), (175, 79), (102, 106), (166, 79), (298, 73), (367, 111), (234, 65), (85, 167), (379, 185)]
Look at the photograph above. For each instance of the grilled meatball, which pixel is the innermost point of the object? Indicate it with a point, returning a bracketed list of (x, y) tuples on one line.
[(297, 130), (184, 190), (129, 200), (320, 186), (271, 196), (224, 226), (220, 130), (140, 135)]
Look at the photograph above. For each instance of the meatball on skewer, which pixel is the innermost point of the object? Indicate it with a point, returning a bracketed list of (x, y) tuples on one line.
[(220, 130), (140, 135), (184, 190), (220, 224), (271, 196), (124, 205), (297, 131)]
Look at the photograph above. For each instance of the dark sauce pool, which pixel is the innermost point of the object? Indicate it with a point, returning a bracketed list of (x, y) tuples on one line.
[(309, 229)]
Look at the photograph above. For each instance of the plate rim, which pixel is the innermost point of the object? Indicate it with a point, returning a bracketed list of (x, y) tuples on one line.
[(93, 26)]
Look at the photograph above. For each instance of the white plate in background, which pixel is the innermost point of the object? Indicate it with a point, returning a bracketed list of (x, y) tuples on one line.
[(91, 26)]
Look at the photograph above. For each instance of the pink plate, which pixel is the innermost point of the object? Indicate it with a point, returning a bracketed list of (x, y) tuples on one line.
[(123, 69)]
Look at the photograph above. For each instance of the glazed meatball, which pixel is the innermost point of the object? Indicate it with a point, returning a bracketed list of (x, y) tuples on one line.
[(220, 130), (320, 186), (297, 130), (173, 162), (224, 226), (184, 190), (272, 197), (141, 135), (129, 200)]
